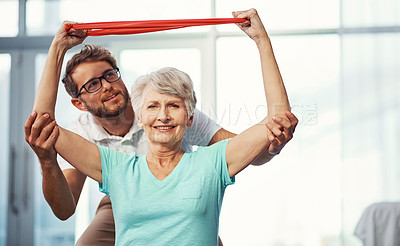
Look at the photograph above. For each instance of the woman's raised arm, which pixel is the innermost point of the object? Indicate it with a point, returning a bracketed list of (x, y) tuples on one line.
[(247, 146)]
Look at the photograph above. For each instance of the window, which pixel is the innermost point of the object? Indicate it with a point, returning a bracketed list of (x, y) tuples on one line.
[(285, 15), (370, 98), (284, 205), (135, 63), (9, 18), (5, 61), (45, 17), (48, 229), (369, 13)]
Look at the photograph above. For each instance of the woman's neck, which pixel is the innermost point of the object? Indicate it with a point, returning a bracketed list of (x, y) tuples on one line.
[(162, 160), (164, 155)]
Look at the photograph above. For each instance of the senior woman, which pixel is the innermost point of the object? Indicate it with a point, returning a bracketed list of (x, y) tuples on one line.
[(168, 197)]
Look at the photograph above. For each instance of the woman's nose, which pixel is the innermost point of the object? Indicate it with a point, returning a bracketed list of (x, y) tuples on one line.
[(163, 115)]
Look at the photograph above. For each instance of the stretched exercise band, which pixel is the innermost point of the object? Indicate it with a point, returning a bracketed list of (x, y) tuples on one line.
[(145, 26)]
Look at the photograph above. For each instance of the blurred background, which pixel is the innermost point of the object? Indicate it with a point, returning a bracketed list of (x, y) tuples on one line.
[(340, 60)]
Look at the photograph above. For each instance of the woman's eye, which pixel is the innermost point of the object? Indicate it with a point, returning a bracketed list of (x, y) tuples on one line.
[(174, 106)]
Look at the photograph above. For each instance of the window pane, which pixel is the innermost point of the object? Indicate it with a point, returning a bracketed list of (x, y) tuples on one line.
[(135, 63), (5, 61), (296, 198), (48, 229), (8, 18), (371, 95), (45, 17), (290, 14), (371, 13)]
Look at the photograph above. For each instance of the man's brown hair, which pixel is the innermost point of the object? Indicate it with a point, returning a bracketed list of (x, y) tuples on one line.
[(89, 53)]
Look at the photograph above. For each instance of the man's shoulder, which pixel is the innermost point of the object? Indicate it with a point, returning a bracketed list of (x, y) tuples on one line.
[(214, 148), (83, 120), (201, 131), (84, 126)]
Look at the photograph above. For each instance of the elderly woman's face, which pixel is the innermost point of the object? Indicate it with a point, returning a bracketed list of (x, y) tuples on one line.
[(164, 118)]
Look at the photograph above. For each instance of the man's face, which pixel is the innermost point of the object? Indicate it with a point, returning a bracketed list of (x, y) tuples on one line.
[(111, 100)]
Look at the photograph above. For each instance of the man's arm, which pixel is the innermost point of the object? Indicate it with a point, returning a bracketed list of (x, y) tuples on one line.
[(68, 144), (283, 129), (221, 134), (61, 191)]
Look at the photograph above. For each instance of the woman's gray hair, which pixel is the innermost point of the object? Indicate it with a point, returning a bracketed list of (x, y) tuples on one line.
[(169, 81)]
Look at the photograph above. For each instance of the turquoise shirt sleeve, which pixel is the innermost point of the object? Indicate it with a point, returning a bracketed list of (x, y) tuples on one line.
[(217, 154), (105, 169), (110, 162)]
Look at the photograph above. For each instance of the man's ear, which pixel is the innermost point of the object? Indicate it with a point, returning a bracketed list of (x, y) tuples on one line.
[(78, 104), (190, 121)]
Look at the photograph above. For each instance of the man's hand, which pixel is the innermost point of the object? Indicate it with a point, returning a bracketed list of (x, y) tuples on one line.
[(280, 131), (67, 39), (41, 133)]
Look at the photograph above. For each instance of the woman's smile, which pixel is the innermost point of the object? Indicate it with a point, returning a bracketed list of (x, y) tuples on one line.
[(164, 128)]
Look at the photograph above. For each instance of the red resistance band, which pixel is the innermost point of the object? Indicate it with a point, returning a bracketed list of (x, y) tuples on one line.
[(136, 27)]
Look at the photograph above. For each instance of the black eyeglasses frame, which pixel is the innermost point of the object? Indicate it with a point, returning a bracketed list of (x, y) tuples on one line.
[(100, 79)]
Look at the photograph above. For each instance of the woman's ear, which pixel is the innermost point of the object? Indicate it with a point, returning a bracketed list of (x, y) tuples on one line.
[(139, 122), (190, 121), (78, 104)]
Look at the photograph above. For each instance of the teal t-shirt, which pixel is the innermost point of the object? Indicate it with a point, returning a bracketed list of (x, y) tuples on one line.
[(182, 209)]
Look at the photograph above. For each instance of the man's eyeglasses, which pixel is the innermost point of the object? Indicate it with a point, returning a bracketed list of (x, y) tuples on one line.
[(95, 84)]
